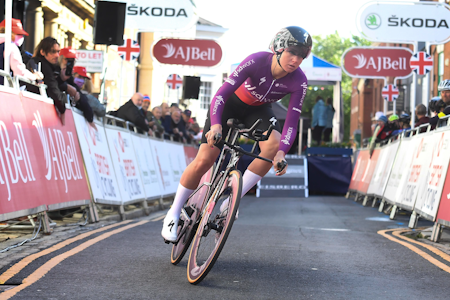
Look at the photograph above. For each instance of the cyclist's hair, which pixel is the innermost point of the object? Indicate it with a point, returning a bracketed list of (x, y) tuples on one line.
[(45, 45)]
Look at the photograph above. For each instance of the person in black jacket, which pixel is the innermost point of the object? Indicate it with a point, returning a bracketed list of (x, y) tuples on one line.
[(66, 79), (47, 53), (130, 111), (173, 125)]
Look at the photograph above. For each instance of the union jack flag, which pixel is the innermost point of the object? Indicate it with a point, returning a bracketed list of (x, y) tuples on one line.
[(129, 50), (421, 63), (174, 81), (390, 92)]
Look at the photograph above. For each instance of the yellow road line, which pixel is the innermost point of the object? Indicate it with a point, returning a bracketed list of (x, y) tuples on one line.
[(45, 268), (27, 260), (429, 247), (415, 249)]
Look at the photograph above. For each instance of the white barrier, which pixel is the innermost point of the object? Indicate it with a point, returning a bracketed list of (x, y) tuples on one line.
[(97, 161), (430, 190), (383, 169)]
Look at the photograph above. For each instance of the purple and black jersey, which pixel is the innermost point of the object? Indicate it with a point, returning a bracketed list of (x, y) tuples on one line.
[(253, 83)]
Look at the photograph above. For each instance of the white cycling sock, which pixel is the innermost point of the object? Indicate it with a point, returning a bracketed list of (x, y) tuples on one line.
[(180, 199), (248, 181)]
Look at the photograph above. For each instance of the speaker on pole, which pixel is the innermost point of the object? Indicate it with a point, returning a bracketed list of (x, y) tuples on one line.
[(191, 87), (109, 22)]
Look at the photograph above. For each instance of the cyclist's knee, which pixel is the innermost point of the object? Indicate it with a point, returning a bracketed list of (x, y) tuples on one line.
[(202, 164)]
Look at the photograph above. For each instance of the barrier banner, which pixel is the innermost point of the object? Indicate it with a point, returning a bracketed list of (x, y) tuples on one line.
[(417, 172), (97, 161), (41, 164), (429, 194), (147, 166), (368, 173), (360, 168), (383, 170), (177, 163), (190, 153), (162, 159), (400, 169), (125, 164)]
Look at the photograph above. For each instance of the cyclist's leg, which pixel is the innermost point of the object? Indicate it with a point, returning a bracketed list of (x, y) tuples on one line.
[(189, 181), (258, 168)]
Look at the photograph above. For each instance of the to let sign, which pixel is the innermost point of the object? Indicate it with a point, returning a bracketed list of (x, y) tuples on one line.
[(377, 62), (205, 53), (92, 60), (409, 22)]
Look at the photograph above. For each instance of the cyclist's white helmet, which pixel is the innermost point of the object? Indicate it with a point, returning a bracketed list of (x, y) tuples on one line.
[(291, 36), (444, 85)]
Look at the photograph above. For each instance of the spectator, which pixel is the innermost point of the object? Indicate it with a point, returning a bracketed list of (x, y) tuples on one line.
[(329, 116), (394, 124), (436, 106), (15, 61), (130, 111), (378, 114), (405, 121), (173, 125), (421, 112), (165, 109), (83, 81), (186, 115), (379, 134), (173, 107), (148, 114), (319, 120), (444, 88), (196, 133), (157, 113), (66, 83), (47, 53)]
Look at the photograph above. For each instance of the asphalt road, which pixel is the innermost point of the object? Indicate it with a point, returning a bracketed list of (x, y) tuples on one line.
[(308, 248)]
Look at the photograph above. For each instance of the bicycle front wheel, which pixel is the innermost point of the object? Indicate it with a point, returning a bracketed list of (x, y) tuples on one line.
[(193, 207), (214, 228)]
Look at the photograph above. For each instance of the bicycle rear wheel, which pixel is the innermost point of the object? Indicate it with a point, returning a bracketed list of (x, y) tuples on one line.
[(194, 208), (214, 228)]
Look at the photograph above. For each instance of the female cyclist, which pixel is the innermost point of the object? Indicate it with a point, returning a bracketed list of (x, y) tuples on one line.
[(262, 78)]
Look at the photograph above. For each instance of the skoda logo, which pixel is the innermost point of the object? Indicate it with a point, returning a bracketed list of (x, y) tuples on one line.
[(373, 21)]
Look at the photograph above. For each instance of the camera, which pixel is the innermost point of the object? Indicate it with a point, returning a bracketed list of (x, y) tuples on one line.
[(69, 66)]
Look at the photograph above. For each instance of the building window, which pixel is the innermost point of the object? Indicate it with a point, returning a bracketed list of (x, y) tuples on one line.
[(205, 94)]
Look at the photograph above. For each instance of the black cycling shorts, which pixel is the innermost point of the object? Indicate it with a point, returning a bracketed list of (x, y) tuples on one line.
[(246, 114)]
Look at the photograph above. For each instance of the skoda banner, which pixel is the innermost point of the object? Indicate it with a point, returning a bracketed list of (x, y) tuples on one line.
[(405, 22), (154, 15)]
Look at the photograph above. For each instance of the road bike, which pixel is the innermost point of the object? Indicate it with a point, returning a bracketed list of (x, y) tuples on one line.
[(210, 211)]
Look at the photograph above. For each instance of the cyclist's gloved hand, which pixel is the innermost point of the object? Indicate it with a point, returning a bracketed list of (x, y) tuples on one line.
[(280, 163), (214, 135)]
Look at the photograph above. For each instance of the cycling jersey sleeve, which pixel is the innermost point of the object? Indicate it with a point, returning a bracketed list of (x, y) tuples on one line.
[(293, 115), (231, 84)]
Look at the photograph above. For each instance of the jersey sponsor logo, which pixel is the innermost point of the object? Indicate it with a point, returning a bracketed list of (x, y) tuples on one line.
[(287, 137), (219, 101), (305, 88), (280, 85), (273, 120), (230, 81), (249, 86), (240, 68), (296, 109), (262, 80)]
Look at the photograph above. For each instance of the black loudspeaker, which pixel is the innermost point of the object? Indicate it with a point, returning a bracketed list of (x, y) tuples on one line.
[(191, 87), (109, 22)]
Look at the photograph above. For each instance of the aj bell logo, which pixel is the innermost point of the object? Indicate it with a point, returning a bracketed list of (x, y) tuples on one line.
[(189, 53), (378, 63)]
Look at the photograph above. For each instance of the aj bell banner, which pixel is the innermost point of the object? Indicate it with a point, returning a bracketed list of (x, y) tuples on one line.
[(41, 162)]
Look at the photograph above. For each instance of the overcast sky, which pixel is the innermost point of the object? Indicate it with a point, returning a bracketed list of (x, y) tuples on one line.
[(252, 23)]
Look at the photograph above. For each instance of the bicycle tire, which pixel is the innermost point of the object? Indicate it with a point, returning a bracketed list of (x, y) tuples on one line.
[(197, 201), (204, 253)]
